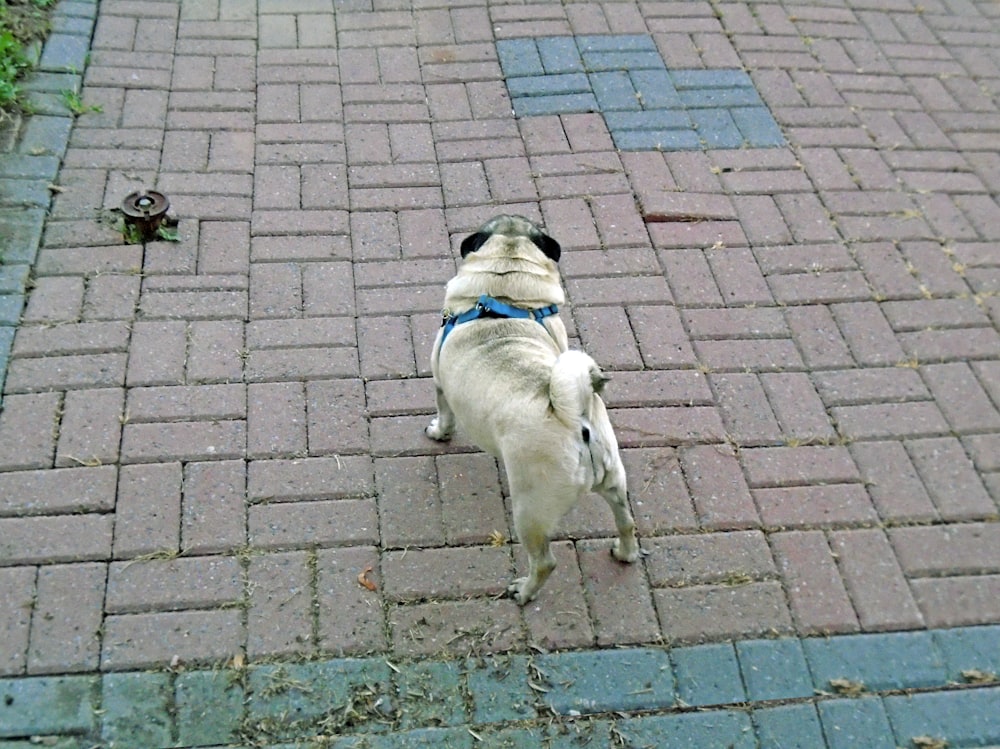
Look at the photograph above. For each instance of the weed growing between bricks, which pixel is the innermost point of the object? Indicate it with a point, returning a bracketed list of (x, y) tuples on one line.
[(23, 25)]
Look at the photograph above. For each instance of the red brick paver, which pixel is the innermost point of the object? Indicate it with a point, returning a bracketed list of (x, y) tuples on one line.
[(214, 446)]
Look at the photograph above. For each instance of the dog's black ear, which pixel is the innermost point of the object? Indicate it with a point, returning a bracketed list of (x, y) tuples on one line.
[(548, 246), (473, 242)]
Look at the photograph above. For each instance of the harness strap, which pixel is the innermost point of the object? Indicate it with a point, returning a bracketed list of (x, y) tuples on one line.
[(487, 306)]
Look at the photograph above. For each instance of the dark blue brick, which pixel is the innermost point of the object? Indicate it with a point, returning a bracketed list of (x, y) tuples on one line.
[(45, 92), (519, 57), (499, 689), (685, 79), (71, 23), (656, 89), (897, 660), (47, 705), (422, 738), (595, 733), (431, 693), (344, 742), (559, 54), (708, 675), (645, 105), (607, 680), (968, 649), (65, 52), (758, 127), (627, 60), (6, 342), (532, 106), (45, 135), (46, 102), (716, 728), (23, 232), (136, 710), (529, 737), (614, 91), (10, 308), (209, 707), (548, 85), (53, 83), (849, 724), (26, 166), (774, 669), (616, 43), (50, 742), (968, 717), (652, 119), (788, 727), (289, 693), (656, 140), (716, 128), (31, 193), (13, 278), (719, 97), (77, 9)]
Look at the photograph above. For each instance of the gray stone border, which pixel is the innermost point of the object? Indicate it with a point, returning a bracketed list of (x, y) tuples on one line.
[(31, 152), (874, 690)]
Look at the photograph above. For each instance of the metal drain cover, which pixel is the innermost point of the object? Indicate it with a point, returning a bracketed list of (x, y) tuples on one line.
[(145, 209)]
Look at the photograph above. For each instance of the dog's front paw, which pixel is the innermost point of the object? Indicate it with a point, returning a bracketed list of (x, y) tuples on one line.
[(520, 591), (435, 431), (627, 552)]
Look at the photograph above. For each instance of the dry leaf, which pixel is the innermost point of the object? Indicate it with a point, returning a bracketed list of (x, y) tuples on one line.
[(239, 661), (847, 687), (497, 539), (929, 742), (364, 581), (975, 676)]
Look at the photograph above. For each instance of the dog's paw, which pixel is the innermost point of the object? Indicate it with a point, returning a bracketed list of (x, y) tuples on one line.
[(435, 432), (518, 591), (627, 553)]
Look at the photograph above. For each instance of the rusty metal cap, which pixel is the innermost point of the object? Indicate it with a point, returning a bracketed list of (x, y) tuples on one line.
[(145, 204)]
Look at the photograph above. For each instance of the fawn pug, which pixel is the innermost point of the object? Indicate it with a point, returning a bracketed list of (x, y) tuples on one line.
[(503, 372)]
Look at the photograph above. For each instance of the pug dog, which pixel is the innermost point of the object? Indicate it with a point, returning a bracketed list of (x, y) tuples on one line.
[(504, 374)]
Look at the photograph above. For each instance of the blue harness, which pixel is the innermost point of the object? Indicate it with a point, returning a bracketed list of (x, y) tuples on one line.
[(487, 306)]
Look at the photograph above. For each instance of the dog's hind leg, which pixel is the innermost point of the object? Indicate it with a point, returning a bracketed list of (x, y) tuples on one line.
[(613, 489), (539, 497), (443, 425), (609, 479), (532, 530)]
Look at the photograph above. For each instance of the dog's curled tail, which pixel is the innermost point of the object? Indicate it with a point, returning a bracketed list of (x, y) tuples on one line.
[(575, 379)]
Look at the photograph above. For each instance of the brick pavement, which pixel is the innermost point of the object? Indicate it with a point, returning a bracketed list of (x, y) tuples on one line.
[(204, 443)]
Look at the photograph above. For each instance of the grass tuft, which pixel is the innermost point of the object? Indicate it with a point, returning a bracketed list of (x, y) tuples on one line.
[(22, 23)]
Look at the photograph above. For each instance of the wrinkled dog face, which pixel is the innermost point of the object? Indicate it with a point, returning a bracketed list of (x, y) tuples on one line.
[(511, 259), (512, 226)]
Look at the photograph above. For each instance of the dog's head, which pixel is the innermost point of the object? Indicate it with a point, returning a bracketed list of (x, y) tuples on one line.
[(514, 227)]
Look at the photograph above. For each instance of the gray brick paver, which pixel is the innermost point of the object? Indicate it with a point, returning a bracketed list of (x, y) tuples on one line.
[(796, 303)]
